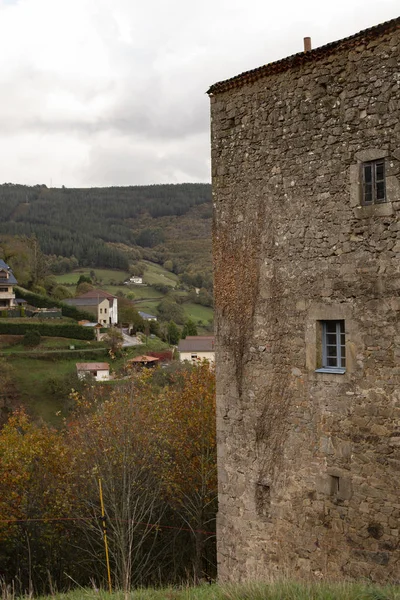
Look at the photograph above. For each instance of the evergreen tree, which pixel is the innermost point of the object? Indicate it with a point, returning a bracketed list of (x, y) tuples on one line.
[(189, 328), (173, 333)]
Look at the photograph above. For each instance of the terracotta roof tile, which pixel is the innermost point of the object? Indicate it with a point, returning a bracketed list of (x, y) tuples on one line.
[(143, 358), (305, 57)]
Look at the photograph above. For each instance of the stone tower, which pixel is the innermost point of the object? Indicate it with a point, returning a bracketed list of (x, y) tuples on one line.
[(306, 184)]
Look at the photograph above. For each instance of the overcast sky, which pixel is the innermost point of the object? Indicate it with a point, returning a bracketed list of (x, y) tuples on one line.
[(112, 92)]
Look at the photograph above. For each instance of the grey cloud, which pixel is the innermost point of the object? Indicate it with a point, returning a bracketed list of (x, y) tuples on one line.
[(136, 109)]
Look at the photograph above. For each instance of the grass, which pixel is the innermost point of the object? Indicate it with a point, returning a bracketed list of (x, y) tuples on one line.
[(139, 291), (197, 312), (156, 274), (106, 275), (31, 377), (148, 306), (46, 343), (252, 591)]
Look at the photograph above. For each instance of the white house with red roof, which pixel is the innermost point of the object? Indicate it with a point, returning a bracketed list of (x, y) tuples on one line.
[(100, 371)]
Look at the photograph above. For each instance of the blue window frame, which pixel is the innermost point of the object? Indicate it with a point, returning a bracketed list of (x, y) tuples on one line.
[(333, 347)]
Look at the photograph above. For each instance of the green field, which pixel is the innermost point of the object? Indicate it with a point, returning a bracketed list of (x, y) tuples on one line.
[(139, 291), (156, 274), (104, 275), (197, 312), (153, 274), (149, 306)]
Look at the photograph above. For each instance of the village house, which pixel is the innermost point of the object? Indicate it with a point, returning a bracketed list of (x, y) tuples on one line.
[(100, 303), (135, 280), (7, 282), (306, 189), (146, 316), (100, 371), (196, 348)]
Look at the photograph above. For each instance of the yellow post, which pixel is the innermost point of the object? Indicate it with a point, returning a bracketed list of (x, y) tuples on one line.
[(103, 521)]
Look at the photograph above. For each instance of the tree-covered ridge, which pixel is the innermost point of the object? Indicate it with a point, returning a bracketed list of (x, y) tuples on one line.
[(90, 223)]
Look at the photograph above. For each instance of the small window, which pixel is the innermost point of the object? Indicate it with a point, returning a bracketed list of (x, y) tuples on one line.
[(335, 485), (373, 182), (101, 310), (105, 311), (333, 347), (193, 356)]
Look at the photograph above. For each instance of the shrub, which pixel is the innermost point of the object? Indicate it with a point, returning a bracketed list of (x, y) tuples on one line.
[(31, 338)]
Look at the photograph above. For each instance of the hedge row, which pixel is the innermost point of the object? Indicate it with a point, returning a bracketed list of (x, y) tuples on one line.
[(56, 356), (46, 302), (48, 329)]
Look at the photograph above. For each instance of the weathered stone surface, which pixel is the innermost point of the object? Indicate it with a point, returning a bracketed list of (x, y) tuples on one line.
[(309, 462)]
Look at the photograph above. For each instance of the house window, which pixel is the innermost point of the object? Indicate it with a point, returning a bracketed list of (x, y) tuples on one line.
[(105, 311), (333, 347), (193, 356), (373, 182), (101, 310)]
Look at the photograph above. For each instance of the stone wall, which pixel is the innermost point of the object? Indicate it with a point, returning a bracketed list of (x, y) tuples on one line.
[(308, 461)]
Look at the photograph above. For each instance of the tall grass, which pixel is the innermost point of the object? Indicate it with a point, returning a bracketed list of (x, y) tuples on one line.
[(286, 590)]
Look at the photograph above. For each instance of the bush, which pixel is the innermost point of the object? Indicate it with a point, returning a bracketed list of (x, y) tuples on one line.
[(31, 338)]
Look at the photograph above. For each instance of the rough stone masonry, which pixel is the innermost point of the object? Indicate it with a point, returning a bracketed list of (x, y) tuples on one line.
[(309, 448)]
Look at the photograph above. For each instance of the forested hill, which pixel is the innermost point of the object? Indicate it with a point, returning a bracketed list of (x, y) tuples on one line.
[(98, 225)]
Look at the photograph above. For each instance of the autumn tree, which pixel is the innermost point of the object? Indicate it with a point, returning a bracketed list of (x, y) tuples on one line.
[(113, 447), (128, 314), (34, 487), (113, 339), (184, 438)]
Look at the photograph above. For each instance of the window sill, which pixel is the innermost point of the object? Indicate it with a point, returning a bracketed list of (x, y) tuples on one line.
[(383, 209), (338, 371)]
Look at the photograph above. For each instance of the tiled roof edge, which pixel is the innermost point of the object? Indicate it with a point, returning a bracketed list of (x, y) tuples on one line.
[(304, 57)]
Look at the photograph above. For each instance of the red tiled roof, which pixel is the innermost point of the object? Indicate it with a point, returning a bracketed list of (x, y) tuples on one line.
[(304, 57), (144, 358)]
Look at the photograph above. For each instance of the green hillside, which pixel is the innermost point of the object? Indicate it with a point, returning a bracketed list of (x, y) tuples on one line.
[(114, 227)]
